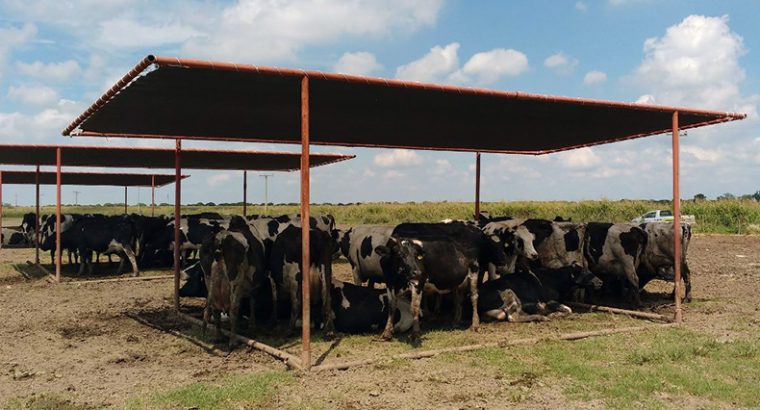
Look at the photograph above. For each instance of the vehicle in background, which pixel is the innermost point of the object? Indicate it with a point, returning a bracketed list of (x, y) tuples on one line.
[(662, 215)]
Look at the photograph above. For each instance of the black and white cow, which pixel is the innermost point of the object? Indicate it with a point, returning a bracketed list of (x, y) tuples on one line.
[(286, 269), (48, 235), (518, 242), (29, 226), (616, 249), (358, 244), (360, 309), (563, 247), (105, 235), (454, 254), (568, 284), (233, 262), (13, 238), (657, 258), (518, 297)]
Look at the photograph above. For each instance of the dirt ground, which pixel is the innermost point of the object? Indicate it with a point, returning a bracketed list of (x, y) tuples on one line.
[(77, 340)]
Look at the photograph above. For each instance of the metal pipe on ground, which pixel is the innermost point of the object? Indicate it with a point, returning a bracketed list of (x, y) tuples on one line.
[(607, 309)]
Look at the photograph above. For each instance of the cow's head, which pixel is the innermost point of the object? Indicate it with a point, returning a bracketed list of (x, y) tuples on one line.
[(194, 284), (403, 259), (523, 242), (584, 278)]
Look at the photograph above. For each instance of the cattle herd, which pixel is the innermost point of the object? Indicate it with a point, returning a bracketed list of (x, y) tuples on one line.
[(500, 268)]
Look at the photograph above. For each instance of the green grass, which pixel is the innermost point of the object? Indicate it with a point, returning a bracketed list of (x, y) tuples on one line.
[(727, 216), (45, 401), (627, 371), (237, 391)]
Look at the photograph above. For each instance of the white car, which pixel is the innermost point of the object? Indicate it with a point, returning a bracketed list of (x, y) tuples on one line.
[(661, 215)]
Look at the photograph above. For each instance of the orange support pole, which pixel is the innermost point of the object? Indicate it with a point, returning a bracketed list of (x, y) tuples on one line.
[(58, 214), (677, 220), (37, 214), (305, 257), (177, 218), (1, 209), (477, 185)]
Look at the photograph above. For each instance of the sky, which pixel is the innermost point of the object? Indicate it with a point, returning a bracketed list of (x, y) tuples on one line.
[(57, 57)]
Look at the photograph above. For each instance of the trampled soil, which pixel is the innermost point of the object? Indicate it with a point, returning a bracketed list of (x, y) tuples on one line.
[(79, 341)]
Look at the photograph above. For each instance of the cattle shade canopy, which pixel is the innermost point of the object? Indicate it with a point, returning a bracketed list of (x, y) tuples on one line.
[(132, 157), (170, 97), (87, 178)]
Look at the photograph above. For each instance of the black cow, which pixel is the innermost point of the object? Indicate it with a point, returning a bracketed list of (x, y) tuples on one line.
[(359, 309), (454, 254), (616, 249), (286, 269), (568, 284), (48, 235), (518, 297)]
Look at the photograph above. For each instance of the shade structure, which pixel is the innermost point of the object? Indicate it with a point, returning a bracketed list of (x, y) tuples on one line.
[(87, 178), (190, 99), (158, 158), (170, 97)]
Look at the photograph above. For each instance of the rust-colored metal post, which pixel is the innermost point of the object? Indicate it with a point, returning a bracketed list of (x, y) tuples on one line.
[(177, 218), (245, 193), (125, 200), (1, 209), (37, 214), (477, 185), (677, 220), (305, 257), (58, 214), (152, 195)]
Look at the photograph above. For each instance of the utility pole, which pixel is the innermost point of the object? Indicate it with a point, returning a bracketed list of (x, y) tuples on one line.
[(266, 192), (76, 197)]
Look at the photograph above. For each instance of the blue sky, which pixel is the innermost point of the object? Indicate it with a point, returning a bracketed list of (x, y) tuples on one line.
[(57, 57)]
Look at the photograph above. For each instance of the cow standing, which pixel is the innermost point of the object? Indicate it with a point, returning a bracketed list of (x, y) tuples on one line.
[(357, 245), (616, 249), (657, 258), (105, 235)]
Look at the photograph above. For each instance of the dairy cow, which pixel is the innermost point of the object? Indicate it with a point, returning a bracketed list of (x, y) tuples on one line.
[(360, 309), (105, 235), (358, 244), (233, 262), (453, 256), (13, 238), (285, 264), (48, 235), (657, 258), (616, 249), (517, 240)]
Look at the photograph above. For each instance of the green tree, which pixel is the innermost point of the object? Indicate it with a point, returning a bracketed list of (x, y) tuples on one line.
[(727, 195), (756, 195), (700, 197)]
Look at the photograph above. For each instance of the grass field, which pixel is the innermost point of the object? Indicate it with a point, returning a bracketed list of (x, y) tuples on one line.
[(728, 216)]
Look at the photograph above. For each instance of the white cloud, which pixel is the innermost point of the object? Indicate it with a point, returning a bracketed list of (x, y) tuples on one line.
[(489, 66), (45, 124), (594, 77), (275, 30), (442, 167), (695, 63), (579, 158), (359, 63), (398, 158), (12, 37), (123, 32), (581, 6), (646, 99), (52, 72), (702, 154), (434, 66), (393, 174), (218, 179), (561, 63), (33, 95), (441, 64)]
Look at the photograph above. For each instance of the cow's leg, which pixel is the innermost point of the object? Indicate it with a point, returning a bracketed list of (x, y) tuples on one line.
[(357, 275), (233, 314), (633, 285), (473, 276), (273, 317), (686, 279), (458, 298), (218, 321), (132, 260), (327, 313), (295, 304), (388, 331), (416, 302), (206, 317), (81, 267), (122, 262), (251, 315)]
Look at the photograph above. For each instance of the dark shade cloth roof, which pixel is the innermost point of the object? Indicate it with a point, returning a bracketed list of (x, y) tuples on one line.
[(131, 157), (87, 178), (169, 97)]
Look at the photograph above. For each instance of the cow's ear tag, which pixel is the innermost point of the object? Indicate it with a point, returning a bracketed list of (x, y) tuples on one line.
[(495, 238)]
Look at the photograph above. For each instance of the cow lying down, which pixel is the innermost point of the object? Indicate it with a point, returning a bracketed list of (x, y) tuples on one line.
[(528, 297), (357, 309)]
